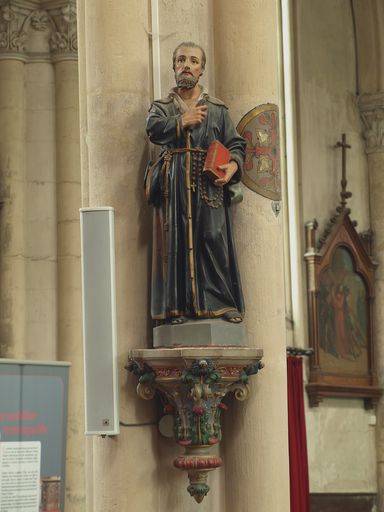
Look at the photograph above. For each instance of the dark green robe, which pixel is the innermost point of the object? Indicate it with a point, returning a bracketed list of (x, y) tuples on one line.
[(194, 274)]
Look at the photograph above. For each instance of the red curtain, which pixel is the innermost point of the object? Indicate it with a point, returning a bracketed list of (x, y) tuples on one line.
[(298, 458)]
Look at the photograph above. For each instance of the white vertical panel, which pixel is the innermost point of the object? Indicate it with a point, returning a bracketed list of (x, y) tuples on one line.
[(99, 321), (295, 223), (155, 49)]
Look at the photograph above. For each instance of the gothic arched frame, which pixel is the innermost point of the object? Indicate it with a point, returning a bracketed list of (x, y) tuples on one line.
[(347, 370)]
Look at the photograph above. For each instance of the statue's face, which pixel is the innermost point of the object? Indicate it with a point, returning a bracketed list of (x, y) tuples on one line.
[(188, 67)]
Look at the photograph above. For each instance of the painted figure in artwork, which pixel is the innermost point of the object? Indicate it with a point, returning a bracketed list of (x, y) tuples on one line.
[(194, 265), (338, 302), (343, 313)]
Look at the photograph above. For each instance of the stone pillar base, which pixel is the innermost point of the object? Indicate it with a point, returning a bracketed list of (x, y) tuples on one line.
[(200, 332)]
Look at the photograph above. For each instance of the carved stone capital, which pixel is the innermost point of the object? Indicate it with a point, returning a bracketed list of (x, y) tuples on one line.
[(372, 113), (38, 31), (13, 36), (63, 41)]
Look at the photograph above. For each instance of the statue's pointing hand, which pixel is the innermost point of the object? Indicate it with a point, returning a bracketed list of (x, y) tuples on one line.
[(230, 169), (194, 116)]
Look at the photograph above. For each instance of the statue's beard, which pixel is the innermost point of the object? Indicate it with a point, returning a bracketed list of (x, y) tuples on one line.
[(185, 81)]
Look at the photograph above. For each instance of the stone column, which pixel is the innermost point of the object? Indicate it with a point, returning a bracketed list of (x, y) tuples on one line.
[(40, 213), (185, 21), (372, 112), (68, 191), (114, 95), (256, 435), (35, 312), (53, 220), (12, 194), (34, 28)]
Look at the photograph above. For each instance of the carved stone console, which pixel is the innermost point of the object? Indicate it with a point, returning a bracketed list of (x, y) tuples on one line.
[(192, 383)]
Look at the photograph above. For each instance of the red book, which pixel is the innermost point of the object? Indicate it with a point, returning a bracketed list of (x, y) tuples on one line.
[(217, 154)]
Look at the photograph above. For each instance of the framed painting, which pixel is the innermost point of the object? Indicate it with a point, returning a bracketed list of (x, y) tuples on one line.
[(340, 276)]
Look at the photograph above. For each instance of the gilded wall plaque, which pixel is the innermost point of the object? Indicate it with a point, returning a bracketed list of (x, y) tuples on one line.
[(260, 128)]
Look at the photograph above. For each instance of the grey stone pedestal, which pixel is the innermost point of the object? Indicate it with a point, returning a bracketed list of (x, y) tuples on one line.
[(194, 333)]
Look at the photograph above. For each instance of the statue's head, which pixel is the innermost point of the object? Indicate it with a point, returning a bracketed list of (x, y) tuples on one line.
[(188, 64), (190, 44)]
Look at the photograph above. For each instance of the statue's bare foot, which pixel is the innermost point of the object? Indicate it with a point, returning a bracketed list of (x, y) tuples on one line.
[(178, 320), (233, 316)]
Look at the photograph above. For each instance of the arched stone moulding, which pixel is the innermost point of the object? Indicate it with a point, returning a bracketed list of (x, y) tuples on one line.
[(192, 383)]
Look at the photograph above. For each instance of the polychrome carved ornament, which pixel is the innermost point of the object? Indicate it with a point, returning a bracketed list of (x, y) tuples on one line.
[(192, 390), (260, 128)]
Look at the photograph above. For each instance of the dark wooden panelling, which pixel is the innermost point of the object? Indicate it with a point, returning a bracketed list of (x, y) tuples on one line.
[(343, 502)]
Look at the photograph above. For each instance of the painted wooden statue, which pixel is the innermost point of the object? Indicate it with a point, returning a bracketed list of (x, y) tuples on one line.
[(194, 266)]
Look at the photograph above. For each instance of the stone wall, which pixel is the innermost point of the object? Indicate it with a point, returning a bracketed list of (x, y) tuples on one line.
[(340, 432)]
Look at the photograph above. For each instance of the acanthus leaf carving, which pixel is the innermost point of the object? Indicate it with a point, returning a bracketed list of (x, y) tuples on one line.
[(40, 20), (12, 37), (59, 41), (69, 13), (7, 13), (17, 41), (372, 114), (65, 38), (18, 21)]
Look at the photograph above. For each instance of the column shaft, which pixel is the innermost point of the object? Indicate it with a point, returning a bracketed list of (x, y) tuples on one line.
[(376, 185), (256, 434), (194, 22), (69, 273), (12, 193), (372, 112), (114, 98), (40, 213)]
